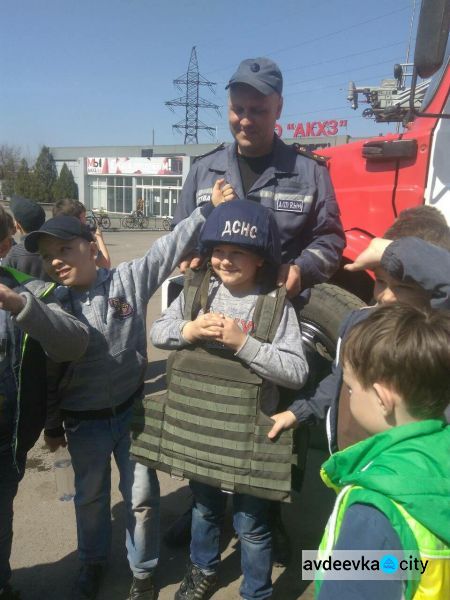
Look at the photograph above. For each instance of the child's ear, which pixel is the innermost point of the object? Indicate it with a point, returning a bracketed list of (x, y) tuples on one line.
[(386, 398)]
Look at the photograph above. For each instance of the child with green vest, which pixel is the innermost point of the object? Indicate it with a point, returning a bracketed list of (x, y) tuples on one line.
[(394, 487), (213, 423)]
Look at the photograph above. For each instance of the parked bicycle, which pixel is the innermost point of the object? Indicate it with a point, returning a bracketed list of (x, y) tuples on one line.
[(99, 219), (136, 220)]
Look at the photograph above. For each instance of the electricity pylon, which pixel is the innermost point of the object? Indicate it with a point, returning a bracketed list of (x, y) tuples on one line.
[(191, 100)]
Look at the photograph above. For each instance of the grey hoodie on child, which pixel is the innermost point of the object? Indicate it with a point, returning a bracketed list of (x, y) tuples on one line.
[(115, 310)]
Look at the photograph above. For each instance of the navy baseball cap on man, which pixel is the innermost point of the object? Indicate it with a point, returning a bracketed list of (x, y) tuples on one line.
[(29, 214), (243, 223), (260, 73), (63, 228)]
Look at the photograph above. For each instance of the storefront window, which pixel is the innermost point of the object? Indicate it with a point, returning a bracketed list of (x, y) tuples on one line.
[(128, 199)]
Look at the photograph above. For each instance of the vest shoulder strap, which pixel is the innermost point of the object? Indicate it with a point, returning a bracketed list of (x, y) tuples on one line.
[(195, 289), (268, 312)]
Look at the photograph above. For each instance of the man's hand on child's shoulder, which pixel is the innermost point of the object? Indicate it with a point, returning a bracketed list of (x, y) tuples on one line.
[(370, 258), (11, 301), (290, 276), (193, 261)]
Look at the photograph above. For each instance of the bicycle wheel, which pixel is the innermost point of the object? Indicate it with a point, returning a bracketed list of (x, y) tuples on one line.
[(143, 222), (130, 222), (123, 223), (166, 224), (92, 222), (105, 222)]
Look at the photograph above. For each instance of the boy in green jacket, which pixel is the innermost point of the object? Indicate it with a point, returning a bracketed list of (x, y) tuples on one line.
[(394, 487)]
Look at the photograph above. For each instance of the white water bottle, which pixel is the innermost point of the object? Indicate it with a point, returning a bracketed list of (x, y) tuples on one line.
[(64, 475)]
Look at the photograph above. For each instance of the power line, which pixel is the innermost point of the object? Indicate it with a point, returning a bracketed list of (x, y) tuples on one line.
[(322, 37)]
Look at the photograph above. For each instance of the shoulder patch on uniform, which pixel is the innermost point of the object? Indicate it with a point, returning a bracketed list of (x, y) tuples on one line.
[(219, 147), (322, 160)]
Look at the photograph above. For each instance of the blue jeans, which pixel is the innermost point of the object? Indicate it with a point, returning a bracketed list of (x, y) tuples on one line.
[(10, 476), (251, 522), (91, 443)]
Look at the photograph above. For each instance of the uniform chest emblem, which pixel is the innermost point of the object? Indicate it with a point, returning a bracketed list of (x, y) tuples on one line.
[(122, 308)]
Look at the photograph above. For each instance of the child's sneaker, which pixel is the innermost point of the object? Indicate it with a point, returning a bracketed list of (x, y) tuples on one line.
[(196, 585), (143, 589)]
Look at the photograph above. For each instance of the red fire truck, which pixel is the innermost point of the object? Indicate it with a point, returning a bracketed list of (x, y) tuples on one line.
[(377, 178)]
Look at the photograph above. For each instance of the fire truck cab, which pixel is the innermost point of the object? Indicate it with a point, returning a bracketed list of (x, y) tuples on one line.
[(376, 179)]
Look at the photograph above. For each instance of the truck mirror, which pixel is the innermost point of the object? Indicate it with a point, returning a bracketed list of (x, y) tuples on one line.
[(432, 35)]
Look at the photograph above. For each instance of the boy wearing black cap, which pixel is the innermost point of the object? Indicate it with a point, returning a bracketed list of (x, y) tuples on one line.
[(28, 216), (242, 242), (98, 391)]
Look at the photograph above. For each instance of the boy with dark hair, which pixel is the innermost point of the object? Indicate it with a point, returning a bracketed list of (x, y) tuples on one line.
[(213, 420), (412, 270), (75, 208), (28, 216), (34, 330), (393, 488), (98, 391)]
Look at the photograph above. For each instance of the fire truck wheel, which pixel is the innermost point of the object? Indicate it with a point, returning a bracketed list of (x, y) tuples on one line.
[(320, 321)]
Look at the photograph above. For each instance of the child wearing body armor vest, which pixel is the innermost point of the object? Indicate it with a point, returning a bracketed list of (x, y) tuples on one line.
[(393, 488), (97, 392), (236, 339)]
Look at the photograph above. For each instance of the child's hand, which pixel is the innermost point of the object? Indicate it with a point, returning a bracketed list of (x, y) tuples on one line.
[(284, 420), (222, 192), (369, 258), (204, 327), (53, 443), (230, 334), (11, 301)]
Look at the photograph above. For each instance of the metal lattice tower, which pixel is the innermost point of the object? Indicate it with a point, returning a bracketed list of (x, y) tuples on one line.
[(192, 101)]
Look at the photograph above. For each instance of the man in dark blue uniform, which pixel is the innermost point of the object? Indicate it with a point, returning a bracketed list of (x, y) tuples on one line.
[(260, 167), (293, 183)]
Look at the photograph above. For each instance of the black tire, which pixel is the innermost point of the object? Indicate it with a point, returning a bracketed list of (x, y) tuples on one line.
[(105, 222), (166, 224), (321, 320), (143, 222)]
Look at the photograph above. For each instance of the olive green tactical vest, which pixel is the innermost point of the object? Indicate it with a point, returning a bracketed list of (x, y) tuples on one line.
[(208, 426)]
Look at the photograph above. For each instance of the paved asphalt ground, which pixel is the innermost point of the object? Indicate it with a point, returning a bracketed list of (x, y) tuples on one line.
[(44, 557)]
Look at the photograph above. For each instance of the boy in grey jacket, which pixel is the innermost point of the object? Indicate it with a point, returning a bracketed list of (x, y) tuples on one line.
[(97, 392)]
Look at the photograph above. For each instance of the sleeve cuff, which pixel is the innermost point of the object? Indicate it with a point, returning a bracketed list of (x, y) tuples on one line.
[(302, 411), (249, 349), (26, 310), (182, 338)]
